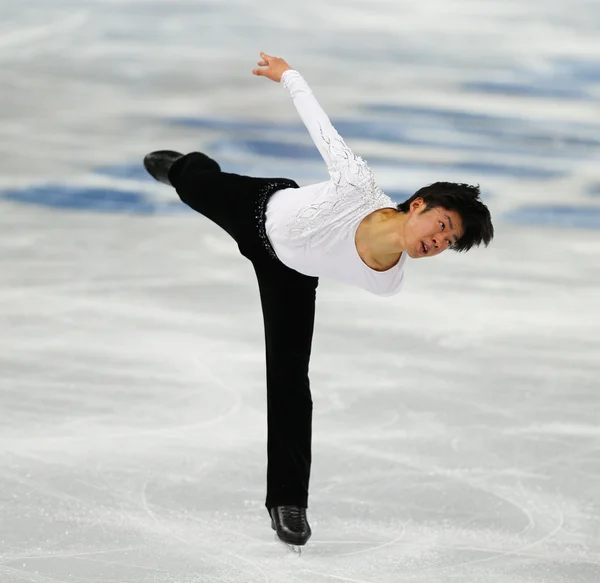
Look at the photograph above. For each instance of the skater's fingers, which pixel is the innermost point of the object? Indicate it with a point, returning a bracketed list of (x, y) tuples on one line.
[(270, 67), (263, 72)]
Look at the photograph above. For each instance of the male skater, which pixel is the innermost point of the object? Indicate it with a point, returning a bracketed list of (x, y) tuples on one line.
[(346, 229)]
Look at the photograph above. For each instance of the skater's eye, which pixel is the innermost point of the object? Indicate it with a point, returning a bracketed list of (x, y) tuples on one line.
[(442, 225)]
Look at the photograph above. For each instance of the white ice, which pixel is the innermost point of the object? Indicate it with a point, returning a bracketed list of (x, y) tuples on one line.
[(456, 433)]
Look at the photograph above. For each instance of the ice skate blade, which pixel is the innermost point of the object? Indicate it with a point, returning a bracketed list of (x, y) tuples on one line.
[(294, 549)]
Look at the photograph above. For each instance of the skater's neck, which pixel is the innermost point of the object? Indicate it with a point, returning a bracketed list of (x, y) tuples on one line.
[(379, 240)]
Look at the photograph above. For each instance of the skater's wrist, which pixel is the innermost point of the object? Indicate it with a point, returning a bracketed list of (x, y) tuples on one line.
[(284, 75)]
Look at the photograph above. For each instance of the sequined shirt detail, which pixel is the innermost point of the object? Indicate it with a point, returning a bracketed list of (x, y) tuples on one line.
[(312, 229)]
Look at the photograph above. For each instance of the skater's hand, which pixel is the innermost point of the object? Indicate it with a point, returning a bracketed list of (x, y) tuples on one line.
[(271, 67)]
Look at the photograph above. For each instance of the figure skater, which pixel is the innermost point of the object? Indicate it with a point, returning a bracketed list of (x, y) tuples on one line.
[(346, 229)]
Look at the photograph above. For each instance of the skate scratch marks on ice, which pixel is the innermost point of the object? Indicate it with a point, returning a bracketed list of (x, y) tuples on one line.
[(197, 547), (394, 541), (74, 555), (337, 577), (514, 552), (33, 578)]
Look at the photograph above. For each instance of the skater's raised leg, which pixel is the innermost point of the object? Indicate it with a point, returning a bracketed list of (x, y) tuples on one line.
[(158, 164), (234, 202)]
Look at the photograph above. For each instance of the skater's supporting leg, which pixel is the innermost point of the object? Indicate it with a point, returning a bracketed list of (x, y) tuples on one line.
[(288, 303), (237, 204)]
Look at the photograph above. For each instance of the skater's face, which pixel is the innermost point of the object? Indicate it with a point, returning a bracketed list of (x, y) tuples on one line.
[(429, 231)]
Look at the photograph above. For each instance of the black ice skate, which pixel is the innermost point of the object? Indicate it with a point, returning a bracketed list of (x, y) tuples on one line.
[(159, 163), (290, 524)]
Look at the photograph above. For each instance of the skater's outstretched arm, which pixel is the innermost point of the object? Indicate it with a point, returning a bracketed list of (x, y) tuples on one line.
[(343, 165)]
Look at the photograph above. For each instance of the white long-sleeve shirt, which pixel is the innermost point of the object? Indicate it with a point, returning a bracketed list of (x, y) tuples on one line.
[(312, 229)]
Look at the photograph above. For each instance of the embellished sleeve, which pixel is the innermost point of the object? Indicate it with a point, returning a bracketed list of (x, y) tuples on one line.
[(343, 165), (355, 193)]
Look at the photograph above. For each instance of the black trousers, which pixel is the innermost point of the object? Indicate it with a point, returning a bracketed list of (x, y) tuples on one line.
[(237, 204)]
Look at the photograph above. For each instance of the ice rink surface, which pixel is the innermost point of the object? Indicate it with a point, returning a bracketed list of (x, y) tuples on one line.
[(456, 432)]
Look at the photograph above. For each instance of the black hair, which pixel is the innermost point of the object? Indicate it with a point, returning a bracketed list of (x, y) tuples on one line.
[(464, 199)]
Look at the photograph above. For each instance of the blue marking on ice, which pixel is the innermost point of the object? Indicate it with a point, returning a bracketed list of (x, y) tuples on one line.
[(126, 172), (559, 215), (564, 79), (512, 170), (447, 115), (494, 125), (532, 133), (594, 190), (278, 149), (526, 89), (585, 71), (233, 125), (411, 126), (108, 200)]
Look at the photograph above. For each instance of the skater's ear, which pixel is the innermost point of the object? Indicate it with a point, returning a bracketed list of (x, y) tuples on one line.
[(418, 204)]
